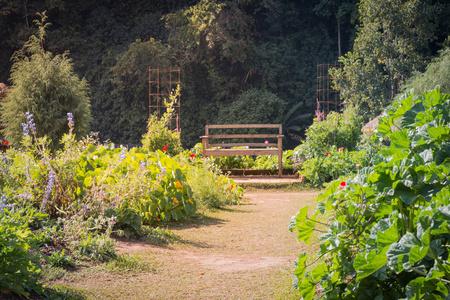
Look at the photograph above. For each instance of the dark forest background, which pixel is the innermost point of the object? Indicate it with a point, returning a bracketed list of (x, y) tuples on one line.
[(242, 61)]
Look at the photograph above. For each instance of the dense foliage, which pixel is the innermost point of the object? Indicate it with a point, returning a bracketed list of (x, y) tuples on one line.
[(436, 74), (385, 232), (63, 206), (334, 147), (224, 48), (158, 135), (17, 262), (45, 86), (391, 43)]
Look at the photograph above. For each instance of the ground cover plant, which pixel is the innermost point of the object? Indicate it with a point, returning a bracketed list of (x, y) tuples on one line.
[(384, 233)]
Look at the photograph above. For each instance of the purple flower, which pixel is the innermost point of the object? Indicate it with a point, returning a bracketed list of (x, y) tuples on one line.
[(123, 154), (26, 131), (70, 119), (31, 125), (49, 187)]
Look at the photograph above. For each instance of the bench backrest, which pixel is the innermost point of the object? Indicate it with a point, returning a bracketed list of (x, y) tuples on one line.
[(242, 136), (253, 147)]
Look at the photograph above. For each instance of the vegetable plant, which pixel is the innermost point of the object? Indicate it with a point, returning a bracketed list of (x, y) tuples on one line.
[(385, 232)]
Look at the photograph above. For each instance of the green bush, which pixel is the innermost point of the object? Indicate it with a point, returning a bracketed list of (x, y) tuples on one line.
[(332, 165), (270, 162), (340, 130), (59, 259), (254, 107), (385, 232), (47, 87), (158, 136), (20, 269), (436, 74), (210, 188)]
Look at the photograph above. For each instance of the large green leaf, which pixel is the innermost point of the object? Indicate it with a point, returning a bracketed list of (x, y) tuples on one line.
[(405, 253), (307, 289), (422, 287), (366, 264), (300, 270)]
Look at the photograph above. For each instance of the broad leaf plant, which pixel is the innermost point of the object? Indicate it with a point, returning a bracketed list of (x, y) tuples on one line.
[(385, 233)]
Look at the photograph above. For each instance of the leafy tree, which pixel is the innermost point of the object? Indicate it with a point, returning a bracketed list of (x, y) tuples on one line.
[(391, 43), (343, 11), (130, 104), (44, 85), (253, 107)]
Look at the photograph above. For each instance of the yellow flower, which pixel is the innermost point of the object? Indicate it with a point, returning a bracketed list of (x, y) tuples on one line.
[(175, 200), (178, 185)]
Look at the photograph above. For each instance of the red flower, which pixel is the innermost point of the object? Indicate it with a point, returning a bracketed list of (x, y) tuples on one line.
[(342, 185), (327, 153), (192, 156), (6, 143), (165, 148), (342, 148)]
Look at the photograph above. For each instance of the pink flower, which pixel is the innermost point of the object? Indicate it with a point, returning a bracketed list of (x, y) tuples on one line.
[(266, 142), (165, 148), (342, 162), (358, 165), (192, 156), (342, 185), (340, 149)]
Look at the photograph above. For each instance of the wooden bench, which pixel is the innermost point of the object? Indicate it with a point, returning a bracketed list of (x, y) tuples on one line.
[(253, 148)]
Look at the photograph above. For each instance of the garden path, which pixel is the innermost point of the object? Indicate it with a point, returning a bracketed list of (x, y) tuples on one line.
[(239, 252)]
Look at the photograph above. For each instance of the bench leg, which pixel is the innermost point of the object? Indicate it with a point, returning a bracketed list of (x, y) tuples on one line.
[(280, 156)]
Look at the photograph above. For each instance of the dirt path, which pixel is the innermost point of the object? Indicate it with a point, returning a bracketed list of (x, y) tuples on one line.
[(241, 252)]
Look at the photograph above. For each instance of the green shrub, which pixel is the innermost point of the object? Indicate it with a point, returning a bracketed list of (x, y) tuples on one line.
[(384, 232), (340, 130), (332, 165), (270, 162), (158, 136), (59, 259), (210, 188), (20, 269), (255, 106), (95, 246), (436, 74), (47, 87)]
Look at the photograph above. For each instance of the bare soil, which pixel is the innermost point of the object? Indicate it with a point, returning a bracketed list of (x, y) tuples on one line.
[(239, 252)]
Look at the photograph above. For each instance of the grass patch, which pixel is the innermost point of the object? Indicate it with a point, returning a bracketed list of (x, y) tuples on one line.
[(128, 264), (158, 236), (52, 273), (58, 292)]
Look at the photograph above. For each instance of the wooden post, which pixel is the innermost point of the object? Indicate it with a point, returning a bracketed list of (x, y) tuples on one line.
[(280, 155), (204, 145), (205, 141)]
